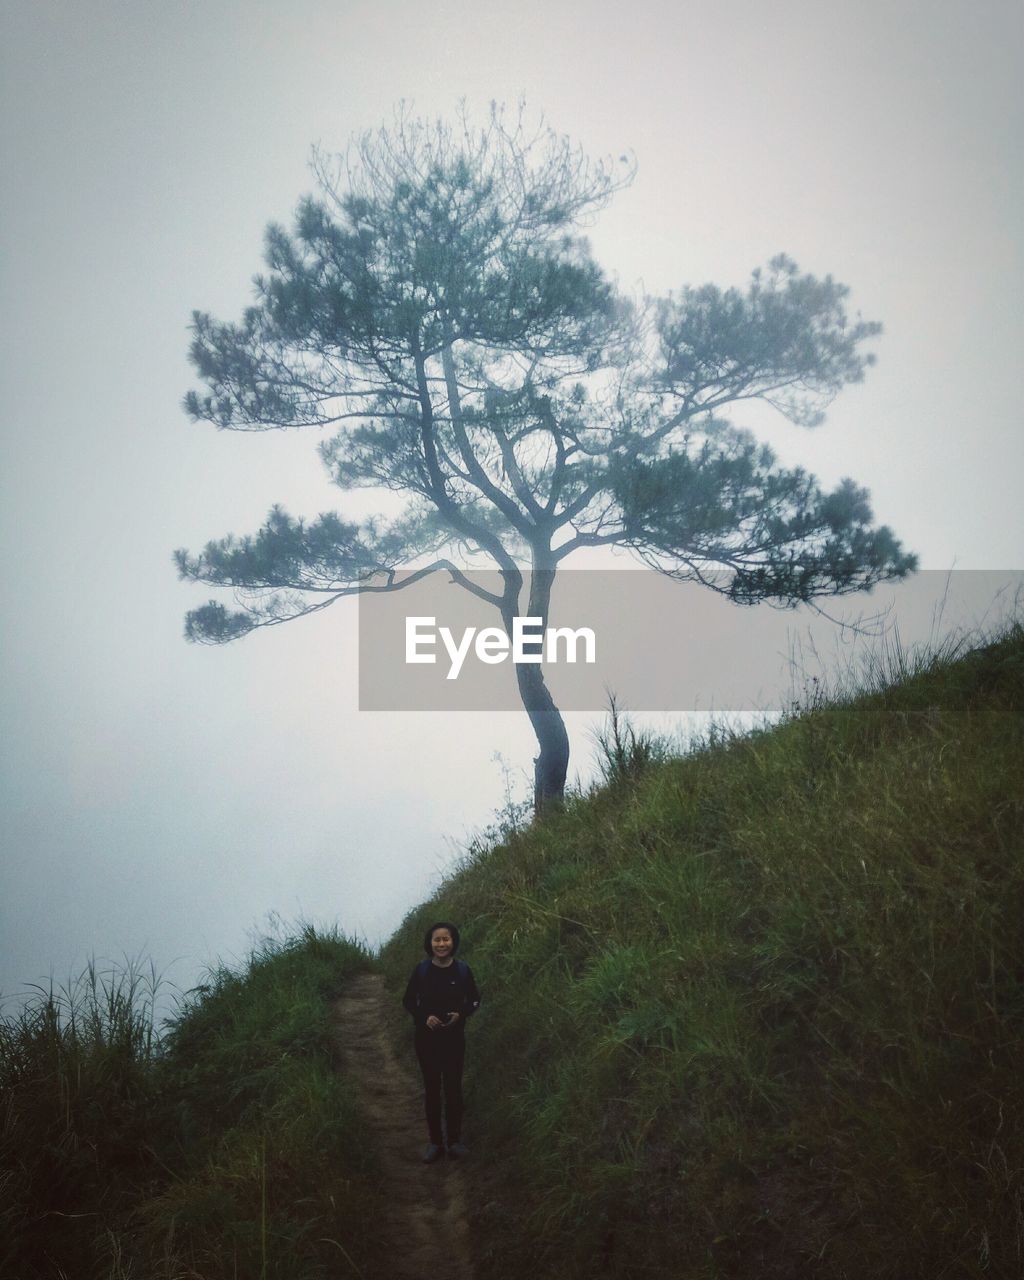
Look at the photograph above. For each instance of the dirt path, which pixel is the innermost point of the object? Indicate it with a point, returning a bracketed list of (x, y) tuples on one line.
[(427, 1232)]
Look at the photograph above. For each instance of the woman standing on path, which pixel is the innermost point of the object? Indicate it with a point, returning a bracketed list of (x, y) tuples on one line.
[(440, 996)]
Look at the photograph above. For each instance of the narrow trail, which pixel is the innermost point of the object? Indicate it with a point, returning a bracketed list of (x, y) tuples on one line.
[(426, 1232)]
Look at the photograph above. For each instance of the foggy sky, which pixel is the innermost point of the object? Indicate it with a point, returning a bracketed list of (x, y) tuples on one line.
[(161, 798)]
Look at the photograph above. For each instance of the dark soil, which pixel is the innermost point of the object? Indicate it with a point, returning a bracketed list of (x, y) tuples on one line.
[(426, 1232)]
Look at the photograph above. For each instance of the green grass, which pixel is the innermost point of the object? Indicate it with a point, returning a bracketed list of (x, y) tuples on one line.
[(754, 1012), (76, 1102), (228, 1147), (758, 1012)]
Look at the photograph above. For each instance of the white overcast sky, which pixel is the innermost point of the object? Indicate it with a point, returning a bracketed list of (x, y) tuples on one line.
[(160, 798)]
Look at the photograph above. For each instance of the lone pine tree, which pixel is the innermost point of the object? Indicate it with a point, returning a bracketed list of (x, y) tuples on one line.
[(438, 305)]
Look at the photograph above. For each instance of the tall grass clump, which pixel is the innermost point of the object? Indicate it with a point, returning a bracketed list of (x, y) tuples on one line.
[(623, 754), (228, 1146), (759, 1011), (275, 1177), (77, 1105)]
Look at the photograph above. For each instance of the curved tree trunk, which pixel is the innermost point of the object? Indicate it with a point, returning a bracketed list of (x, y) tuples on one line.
[(551, 764)]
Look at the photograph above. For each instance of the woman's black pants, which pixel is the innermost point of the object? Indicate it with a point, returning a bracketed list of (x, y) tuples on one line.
[(441, 1054)]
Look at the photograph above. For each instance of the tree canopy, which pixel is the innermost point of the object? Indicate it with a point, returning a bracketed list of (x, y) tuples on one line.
[(439, 305)]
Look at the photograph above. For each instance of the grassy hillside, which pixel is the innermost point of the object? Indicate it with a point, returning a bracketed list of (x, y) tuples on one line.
[(755, 1012), (759, 1012), (229, 1149)]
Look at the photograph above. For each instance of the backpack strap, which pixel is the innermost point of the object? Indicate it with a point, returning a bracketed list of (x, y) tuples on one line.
[(423, 971)]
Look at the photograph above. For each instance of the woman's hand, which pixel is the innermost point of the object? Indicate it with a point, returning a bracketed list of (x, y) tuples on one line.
[(433, 1022)]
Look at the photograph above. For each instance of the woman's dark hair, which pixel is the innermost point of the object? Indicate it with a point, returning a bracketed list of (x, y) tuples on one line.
[(441, 924)]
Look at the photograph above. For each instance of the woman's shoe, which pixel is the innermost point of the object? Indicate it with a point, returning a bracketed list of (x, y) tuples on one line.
[(432, 1153), (456, 1151)]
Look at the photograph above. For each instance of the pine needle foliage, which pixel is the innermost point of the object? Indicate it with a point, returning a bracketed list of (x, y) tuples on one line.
[(438, 306)]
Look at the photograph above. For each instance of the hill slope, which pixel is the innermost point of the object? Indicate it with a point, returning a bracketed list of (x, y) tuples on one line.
[(758, 1012), (230, 1148)]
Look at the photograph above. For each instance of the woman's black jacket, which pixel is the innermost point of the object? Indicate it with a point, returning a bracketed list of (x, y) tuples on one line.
[(438, 990)]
